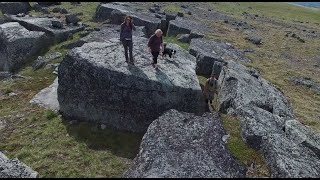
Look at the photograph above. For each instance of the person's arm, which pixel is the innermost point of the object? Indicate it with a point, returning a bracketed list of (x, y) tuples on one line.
[(162, 47), (121, 29), (150, 42), (133, 26)]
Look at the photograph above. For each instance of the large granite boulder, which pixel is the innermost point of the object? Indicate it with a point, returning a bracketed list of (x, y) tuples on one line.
[(241, 86), (97, 85), (182, 145), (47, 97), (288, 159), (209, 51), (44, 59), (13, 168), (267, 122), (117, 12), (19, 45), (14, 7), (45, 25)]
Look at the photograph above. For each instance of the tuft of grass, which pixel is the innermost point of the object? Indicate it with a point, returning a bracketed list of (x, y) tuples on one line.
[(241, 150), (49, 114), (7, 89), (173, 39)]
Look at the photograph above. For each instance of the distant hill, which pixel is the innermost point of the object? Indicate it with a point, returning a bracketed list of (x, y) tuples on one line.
[(308, 4)]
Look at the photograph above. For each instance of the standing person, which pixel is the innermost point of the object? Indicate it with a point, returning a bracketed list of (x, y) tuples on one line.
[(155, 45), (210, 88), (126, 37)]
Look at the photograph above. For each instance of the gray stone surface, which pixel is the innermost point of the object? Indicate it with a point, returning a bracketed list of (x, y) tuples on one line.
[(13, 168), (185, 38), (182, 145), (95, 84), (304, 81), (19, 45), (14, 7), (241, 86), (288, 159), (117, 12), (217, 66), (72, 18), (44, 59), (107, 32), (209, 51), (45, 25), (47, 97), (254, 39)]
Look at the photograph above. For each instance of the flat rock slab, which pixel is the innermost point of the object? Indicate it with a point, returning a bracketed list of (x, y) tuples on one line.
[(182, 145), (14, 7), (13, 168), (48, 97), (18, 45), (117, 11), (97, 85), (210, 51), (107, 32), (45, 25)]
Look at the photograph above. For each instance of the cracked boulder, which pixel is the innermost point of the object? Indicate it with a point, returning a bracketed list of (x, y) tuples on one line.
[(45, 25), (117, 12), (241, 86), (14, 7), (183, 145), (288, 159), (97, 85), (19, 45), (208, 52), (13, 168)]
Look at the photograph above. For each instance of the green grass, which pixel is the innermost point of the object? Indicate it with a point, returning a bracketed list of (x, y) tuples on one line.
[(276, 10), (172, 8), (240, 150), (173, 39)]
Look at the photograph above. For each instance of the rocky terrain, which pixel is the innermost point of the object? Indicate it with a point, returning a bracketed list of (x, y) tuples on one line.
[(71, 107)]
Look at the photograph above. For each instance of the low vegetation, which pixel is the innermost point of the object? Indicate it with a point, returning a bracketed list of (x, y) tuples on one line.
[(173, 39)]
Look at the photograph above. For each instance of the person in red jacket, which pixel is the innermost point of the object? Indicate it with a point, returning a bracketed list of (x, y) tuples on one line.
[(155, 45)]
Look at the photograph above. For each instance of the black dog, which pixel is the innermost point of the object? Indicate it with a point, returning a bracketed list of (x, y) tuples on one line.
[(168, 51)]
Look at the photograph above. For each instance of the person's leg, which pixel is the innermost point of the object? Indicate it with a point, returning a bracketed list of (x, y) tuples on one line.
[(130, 44), (155, 57), (125, 46)]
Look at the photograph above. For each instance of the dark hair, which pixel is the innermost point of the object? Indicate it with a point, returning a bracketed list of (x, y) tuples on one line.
[(124, 21)]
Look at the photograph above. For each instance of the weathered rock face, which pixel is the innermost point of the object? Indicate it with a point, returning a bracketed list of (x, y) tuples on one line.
[(267, 122), (241, 86), (288, 159), (45, 25), (13, 168), (117, 12), (209, 51), (18, 45), (182, 145), (44, 59), (47, 97), (14, 7), (95, 84)]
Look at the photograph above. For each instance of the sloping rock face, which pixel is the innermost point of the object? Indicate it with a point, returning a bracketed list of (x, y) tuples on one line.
[(116, 13), (13, 168), (96, 84), (209, 51), (267, 122), (18, 45), (45, 25), (182, 145), (48, 97), (185, 26), (14, 7)]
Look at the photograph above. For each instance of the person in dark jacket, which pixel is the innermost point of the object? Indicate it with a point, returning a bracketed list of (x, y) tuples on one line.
[(155, 45), (126, 37)]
